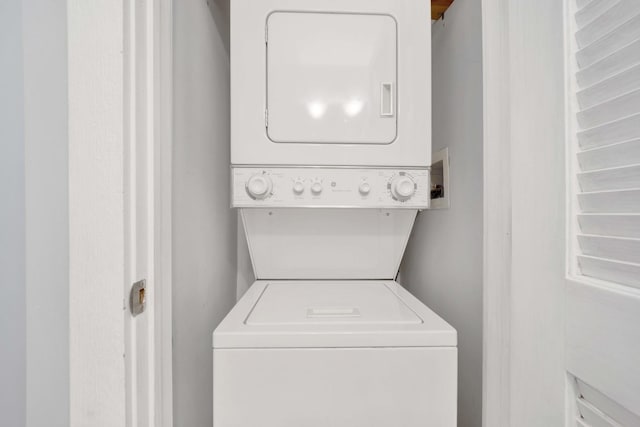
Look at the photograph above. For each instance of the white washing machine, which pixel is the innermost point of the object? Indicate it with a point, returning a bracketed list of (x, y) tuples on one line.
[(333, 353), (308, 345), (330, 156)]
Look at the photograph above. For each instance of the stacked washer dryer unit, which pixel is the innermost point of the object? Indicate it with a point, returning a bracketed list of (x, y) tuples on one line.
[(330, 134)]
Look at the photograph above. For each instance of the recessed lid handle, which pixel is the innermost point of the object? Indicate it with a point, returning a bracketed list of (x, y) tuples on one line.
[(332, 312)]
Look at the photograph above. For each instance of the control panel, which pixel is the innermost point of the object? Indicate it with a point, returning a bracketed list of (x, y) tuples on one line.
[(330, 187)]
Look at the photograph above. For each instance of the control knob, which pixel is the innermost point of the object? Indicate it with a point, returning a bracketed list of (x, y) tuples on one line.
[(298, 186), (364, 188), (316, 187), (259, 186), (402, 188)]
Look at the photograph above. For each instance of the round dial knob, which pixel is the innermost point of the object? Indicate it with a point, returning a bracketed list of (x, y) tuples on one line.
[(364, 188), (402, 188), (259, 186), (316, 187), (298, 186)]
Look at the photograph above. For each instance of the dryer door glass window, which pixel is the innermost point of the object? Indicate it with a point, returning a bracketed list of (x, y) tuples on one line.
[(331, 78)]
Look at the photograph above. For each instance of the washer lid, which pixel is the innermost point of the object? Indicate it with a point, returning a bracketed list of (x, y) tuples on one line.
[(297, 314), (338, 303)]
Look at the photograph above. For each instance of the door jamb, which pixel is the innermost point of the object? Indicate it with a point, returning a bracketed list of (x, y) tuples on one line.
[(163, 129), (149, 77), (497, 214)]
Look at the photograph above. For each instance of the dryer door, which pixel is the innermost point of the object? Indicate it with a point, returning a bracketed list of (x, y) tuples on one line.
[(331, 78), (330, 83)]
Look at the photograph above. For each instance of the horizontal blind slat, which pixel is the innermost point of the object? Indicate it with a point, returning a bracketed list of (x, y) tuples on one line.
[(623, 201), (625, 58), (583, 3), (606, 405), (623, 36), (618, 272), (616, 225), (621, 154), (612, 87), (621, 130), (593, 416), (613, 248), (624, 105), (608, 77), (620, 178), (608, 21), (592, 11)]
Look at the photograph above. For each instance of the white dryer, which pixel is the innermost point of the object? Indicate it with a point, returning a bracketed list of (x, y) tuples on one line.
[(331, 82)]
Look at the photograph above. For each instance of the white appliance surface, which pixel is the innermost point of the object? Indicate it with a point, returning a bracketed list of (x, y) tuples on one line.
[(331, 83), (335, 387), (331, 314), (309, 243), (330, 187), (330, 150), (331, 78), (333, 353), (337, 303)]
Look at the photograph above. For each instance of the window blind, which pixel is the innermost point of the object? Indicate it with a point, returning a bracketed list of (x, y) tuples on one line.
[(607, 36), (596, 409)]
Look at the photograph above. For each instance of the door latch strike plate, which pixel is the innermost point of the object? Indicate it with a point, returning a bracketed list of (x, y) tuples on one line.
[(137, 297)]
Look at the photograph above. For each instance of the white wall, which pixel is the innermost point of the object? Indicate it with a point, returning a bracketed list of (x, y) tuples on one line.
[(443, 261), (204, 227), (12, 220)]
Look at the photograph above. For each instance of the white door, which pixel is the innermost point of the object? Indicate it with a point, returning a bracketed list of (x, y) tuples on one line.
[(331, 78), (562, 225), (603, 286)]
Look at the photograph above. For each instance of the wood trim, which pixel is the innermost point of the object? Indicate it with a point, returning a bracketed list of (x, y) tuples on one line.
[(497, 214), (439, 7)]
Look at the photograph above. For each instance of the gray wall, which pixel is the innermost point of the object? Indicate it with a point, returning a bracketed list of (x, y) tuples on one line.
[(443, 261), (47, 211), (204, 227), (12, 220), (34, 360)]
